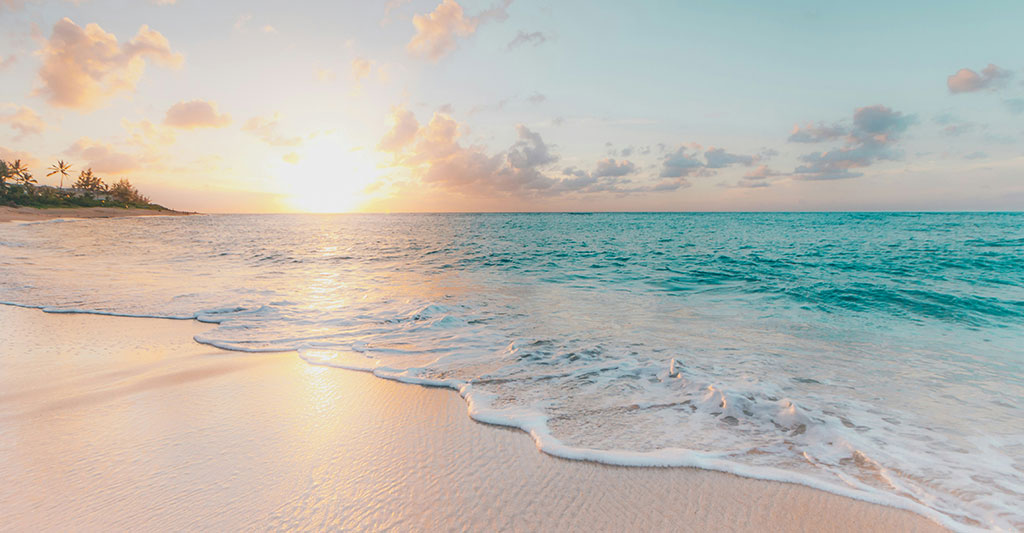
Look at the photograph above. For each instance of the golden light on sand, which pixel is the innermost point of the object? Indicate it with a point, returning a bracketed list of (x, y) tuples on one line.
[(327, 176)]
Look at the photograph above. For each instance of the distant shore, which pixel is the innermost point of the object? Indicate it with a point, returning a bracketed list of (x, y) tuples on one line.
[(34, 214)]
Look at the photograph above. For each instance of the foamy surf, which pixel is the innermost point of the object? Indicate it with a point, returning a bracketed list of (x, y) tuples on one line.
[(862, 361)]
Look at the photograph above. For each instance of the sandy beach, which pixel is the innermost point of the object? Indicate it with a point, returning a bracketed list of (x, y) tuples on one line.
[(32, 214), (127, 424)]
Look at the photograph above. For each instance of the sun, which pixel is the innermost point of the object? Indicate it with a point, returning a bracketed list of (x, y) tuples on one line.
[(327, 175)]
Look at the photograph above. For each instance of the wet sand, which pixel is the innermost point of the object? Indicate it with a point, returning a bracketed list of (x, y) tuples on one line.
[(127, 424), (32, 214)]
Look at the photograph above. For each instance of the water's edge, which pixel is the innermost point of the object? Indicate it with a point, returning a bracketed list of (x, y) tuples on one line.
[(534, 424)]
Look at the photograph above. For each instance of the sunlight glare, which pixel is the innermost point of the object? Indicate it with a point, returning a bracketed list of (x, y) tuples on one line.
[(328, 177)]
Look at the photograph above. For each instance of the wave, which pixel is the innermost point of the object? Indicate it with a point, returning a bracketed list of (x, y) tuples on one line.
[(764, 346)]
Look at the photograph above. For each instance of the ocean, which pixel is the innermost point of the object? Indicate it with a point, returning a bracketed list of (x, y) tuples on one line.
[(875, 355)]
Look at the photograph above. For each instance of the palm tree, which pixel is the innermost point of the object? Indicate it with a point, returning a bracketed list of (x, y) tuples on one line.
[(62, 168), (5, 172), (21, 173)]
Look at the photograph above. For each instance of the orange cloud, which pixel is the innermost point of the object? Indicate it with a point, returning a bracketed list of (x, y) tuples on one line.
[(23, 119), (83, 68), (436, 31), (966, 80), (434, 157), (402, 133), (6, 154), (103, 157), (195, 114)]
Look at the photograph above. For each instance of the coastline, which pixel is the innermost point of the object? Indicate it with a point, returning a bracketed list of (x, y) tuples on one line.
[(140, 427), (35, 214)]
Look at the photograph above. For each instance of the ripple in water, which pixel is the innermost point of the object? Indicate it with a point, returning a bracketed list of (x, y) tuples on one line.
[(874, 355)]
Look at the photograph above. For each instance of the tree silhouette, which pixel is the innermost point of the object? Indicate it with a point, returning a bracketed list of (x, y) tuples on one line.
[(21, 174), (5, 174), (62, 168), (124, 191), (89, 182)]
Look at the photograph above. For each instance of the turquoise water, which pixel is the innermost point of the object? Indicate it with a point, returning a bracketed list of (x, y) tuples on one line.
[(874, 355)]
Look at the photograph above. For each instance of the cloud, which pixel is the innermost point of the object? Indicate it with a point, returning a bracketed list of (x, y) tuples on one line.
[(194, 115), (22, 119), (436, 32), (291, 158), (268, 29), (967, 81), (976, 155), (83, 68), (402, 132), (147, 135), (760, 177), (434, 156), (529, 151), (680, 164), (719, 158), (812, 133), (760, 173), (613, 168), (266, 129), (522, 38), (536, 98), (103, 157), (879, 122), (6, 61), (12, 5), (685, 161), (7, 154), (489, 107), (875, 131), (361, 68)]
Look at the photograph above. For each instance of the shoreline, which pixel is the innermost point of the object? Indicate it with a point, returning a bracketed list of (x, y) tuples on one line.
[(239, 426), (37, 214)]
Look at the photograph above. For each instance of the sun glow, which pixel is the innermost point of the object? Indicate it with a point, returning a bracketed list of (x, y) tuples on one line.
[(327, 175)]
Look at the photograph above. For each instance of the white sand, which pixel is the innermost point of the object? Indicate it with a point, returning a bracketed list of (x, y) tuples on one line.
[(126, 424)]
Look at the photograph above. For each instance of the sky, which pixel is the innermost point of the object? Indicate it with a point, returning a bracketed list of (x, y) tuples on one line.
[(515, 105)]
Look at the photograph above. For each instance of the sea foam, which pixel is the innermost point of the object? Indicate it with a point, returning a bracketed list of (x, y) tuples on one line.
[(877, 356)]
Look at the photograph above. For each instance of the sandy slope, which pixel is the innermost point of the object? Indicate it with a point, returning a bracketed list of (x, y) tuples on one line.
[(126, 424)]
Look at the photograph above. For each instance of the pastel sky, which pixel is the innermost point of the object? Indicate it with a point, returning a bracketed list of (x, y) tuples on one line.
[(517, 105)]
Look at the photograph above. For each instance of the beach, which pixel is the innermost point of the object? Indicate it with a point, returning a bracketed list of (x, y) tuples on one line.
[(110, 423), (32, 214)]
